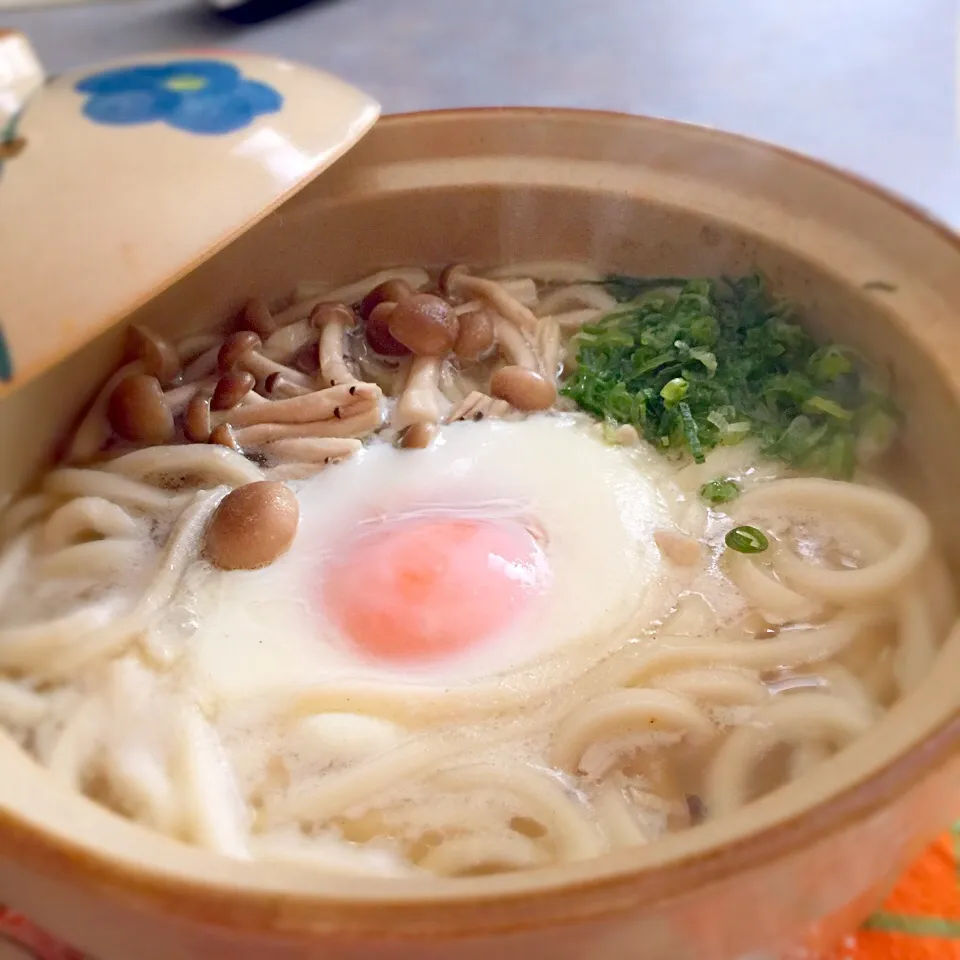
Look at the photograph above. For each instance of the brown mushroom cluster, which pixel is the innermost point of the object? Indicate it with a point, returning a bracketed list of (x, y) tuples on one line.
[(302, 387), (297, 388)]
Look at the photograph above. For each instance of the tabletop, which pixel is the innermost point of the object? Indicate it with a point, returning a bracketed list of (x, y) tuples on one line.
[(867, 84)]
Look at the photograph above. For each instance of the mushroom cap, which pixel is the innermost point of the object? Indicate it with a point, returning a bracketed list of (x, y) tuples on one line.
[(524, 389), (196, 419), (225, 437), (475, 336), (324, 313), (252, 526), (158, 355), (138, 411), (447, 281), (236, 347), (256, 316), (418, 436), (390, 291), (278, 387), (231, 389), (425, 323), (377, 331)]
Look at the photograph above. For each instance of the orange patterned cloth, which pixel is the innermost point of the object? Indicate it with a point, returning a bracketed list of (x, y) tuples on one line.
[(921, 918), (919, 921)]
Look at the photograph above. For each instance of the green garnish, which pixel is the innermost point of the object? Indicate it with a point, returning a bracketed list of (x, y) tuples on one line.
[(674, 391), (718, 491), (695, 364), (746, 540), (624, 288)]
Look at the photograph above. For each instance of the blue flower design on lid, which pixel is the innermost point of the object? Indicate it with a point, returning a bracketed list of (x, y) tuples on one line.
[(198, 96)]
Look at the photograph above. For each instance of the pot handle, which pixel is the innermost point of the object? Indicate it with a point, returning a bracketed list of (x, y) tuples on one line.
[(21, 74)]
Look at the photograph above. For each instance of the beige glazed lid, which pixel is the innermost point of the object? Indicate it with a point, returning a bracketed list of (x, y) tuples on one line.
[(116, 180)]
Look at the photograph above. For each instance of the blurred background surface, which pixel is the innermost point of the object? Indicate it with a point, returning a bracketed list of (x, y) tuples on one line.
[(868, 84)]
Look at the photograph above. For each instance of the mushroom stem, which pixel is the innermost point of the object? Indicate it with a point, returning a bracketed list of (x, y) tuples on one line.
[(333, 366), (479, 406), (283, 345), (159, 357), (203, 365), (337, 402), (262, 367), (515, 346), (277, 387), (311, 449), (256, 316), (360, 423), (548, 346), (523, 289), (178, 398), (494, 293), (192, 347), (94, 429), (311, 294), (420, 400)]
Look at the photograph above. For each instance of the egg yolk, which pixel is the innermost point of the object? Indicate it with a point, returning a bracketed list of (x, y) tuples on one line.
[(432, 587)]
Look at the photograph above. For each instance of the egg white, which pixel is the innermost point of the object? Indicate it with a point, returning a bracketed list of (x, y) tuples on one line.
[(596, 505)]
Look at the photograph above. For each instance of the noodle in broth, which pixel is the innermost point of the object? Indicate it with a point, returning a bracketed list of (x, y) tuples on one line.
[(737, 672)]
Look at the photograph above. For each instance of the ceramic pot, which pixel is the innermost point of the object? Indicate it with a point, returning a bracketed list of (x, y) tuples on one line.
[(796, 869)]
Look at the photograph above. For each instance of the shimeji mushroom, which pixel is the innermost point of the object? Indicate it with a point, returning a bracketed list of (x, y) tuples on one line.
[(231, 389), (178, 398), (335, 404), (476, 333), (252, 526), (390, 291), (224, 436), (514, 345), (241, 351), (94, 428), (345, 411), (522, 388), (425, 324), (308, 296), (158, 356), (299, 458), (356, 421), (376, 329), (421, 398), (418, 436), (256, 316), (137, 410), (286, 343), (457, 282), (338, 403), (478, 406), (277, 387), (207, 410), (333, 320), (548, 347)]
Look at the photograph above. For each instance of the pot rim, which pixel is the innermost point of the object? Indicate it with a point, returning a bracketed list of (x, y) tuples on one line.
[(684, 874)]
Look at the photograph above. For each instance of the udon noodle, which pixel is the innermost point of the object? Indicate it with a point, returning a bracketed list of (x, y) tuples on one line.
[(732, 674)]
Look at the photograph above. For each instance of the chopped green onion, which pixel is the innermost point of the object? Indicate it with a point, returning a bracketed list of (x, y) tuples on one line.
[(720, 491), (690, 431), (701, 363), (819, 404), (674, 391), (746, 539)]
